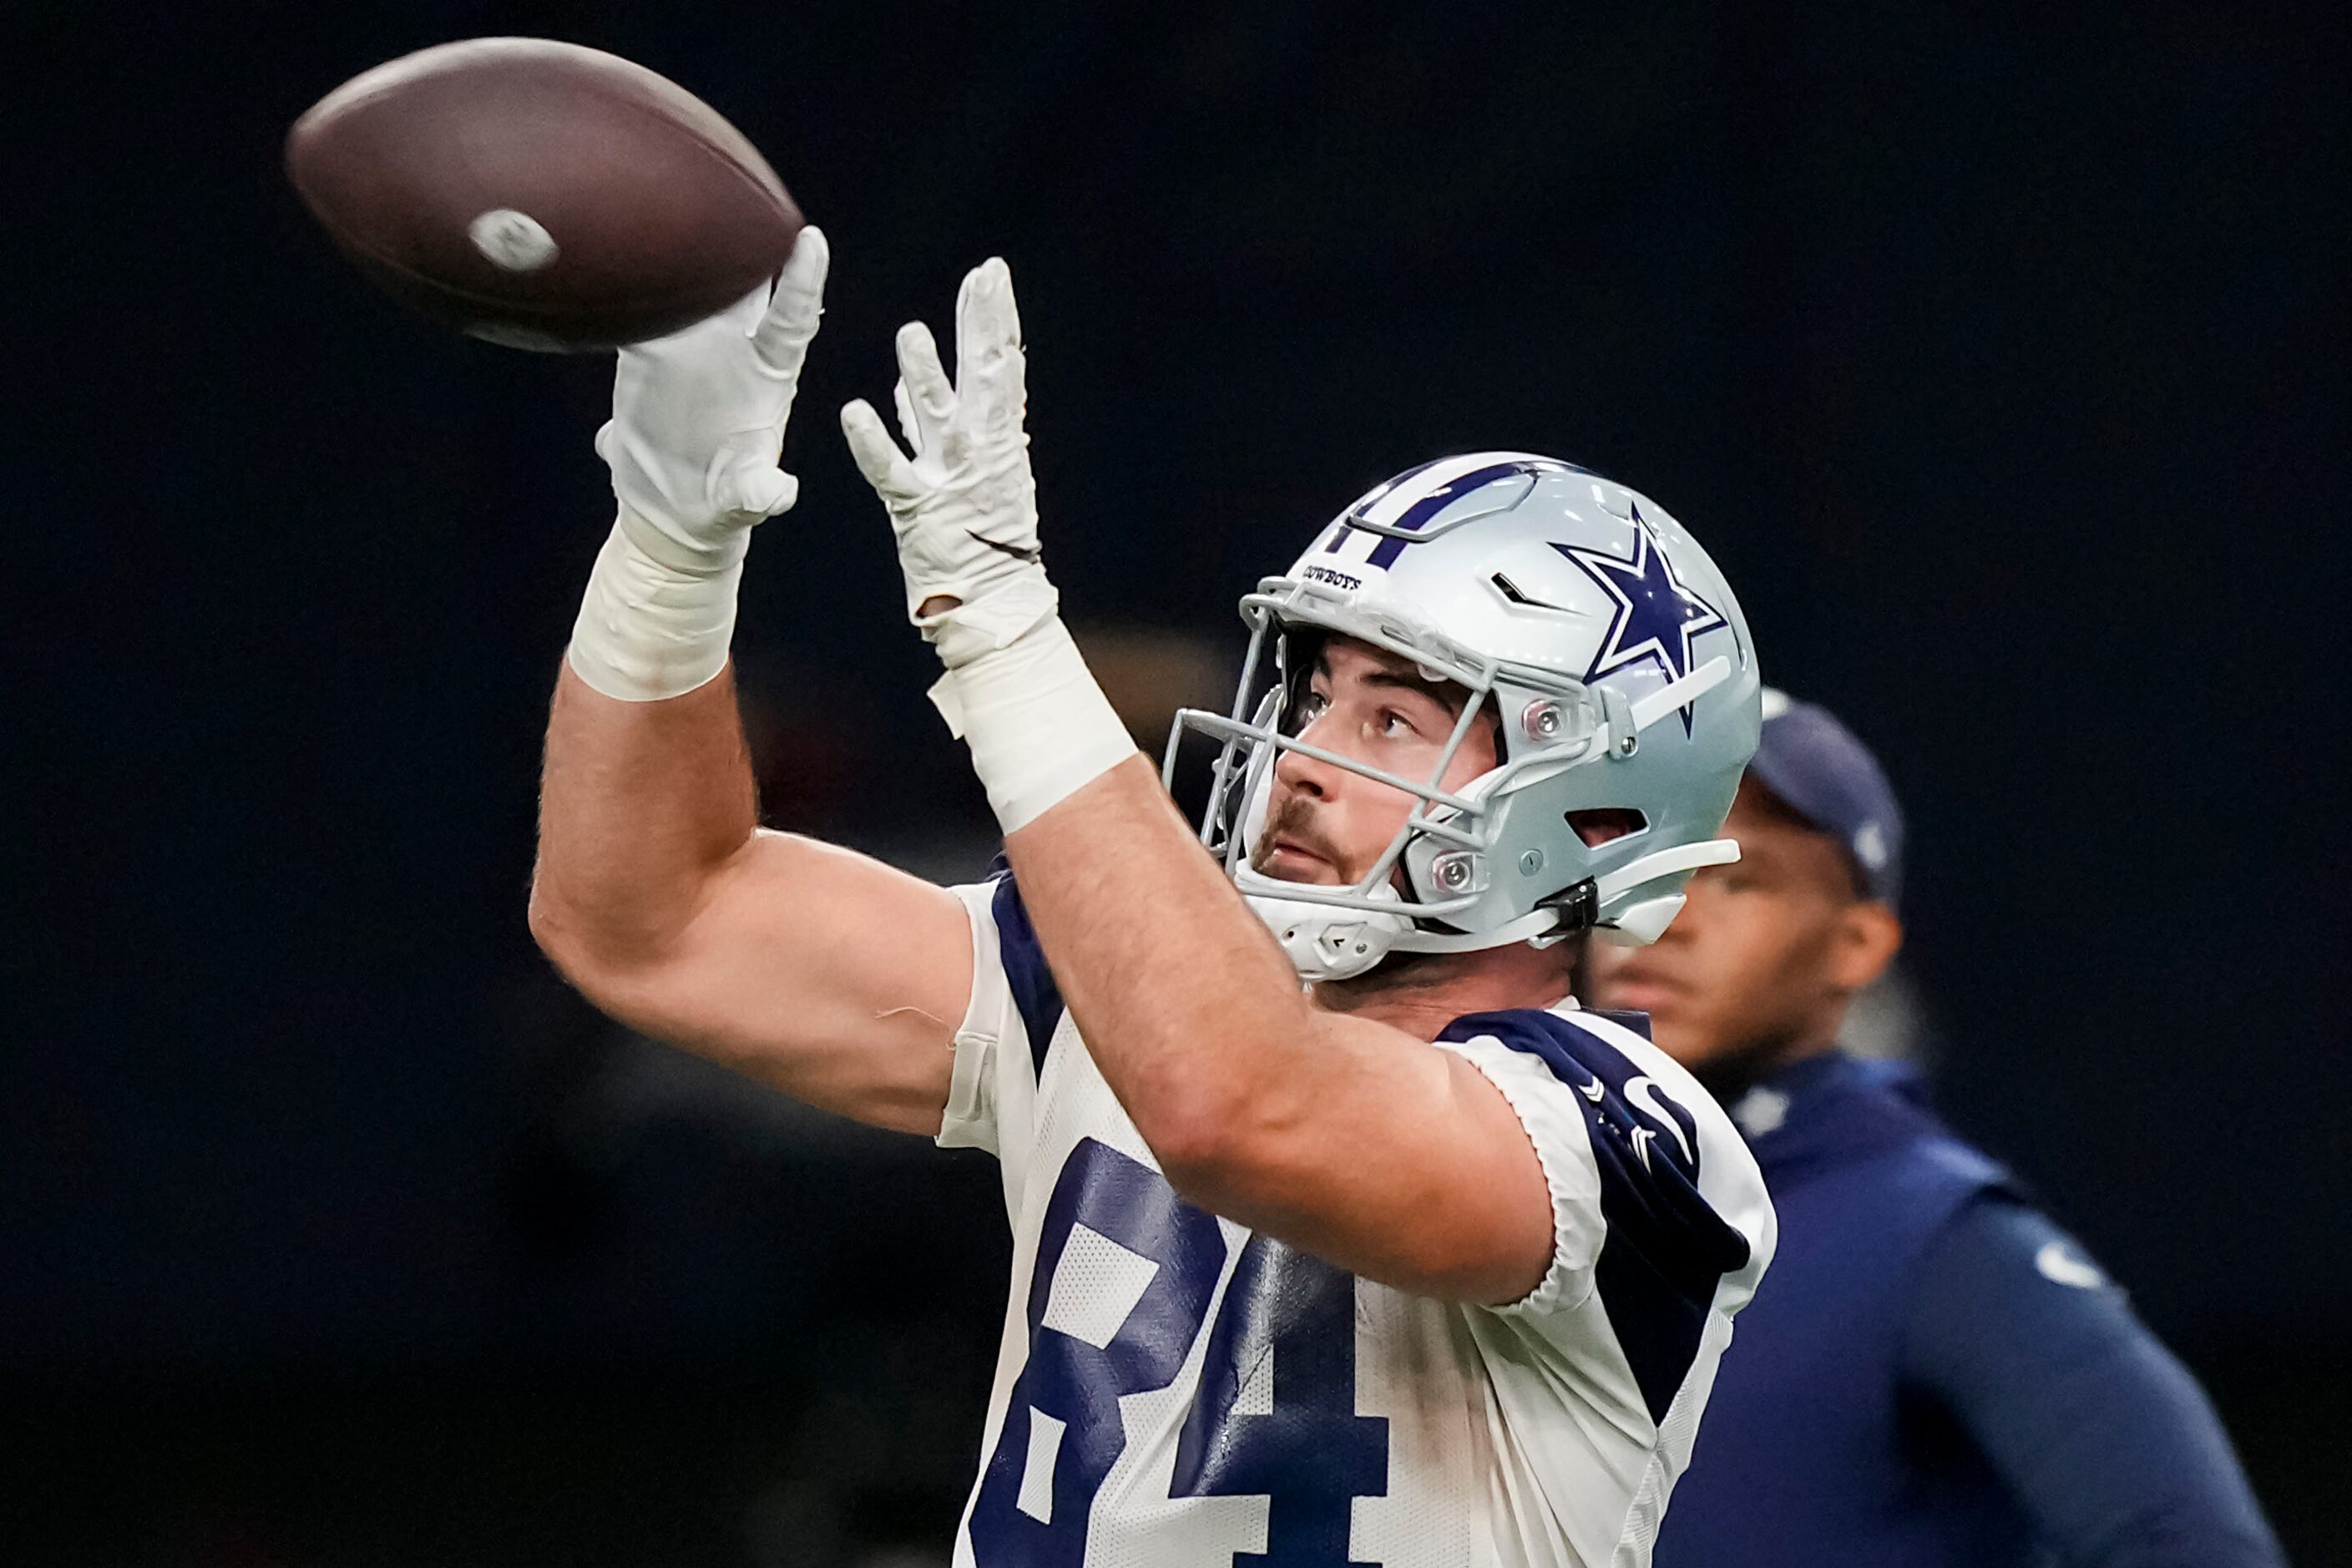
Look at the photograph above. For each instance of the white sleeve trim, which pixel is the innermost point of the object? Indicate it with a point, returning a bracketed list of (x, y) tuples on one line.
[(970, 1121), (1563, 1147)]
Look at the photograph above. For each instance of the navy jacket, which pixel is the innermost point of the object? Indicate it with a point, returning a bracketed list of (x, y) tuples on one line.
[(1933, 1374)]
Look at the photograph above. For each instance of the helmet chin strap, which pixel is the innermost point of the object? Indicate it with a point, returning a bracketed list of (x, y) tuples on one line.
[(1635, 925), (1533, 926), (1327, 943)]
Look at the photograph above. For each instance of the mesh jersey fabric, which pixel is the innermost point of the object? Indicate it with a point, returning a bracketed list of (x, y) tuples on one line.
[(1174, 1391)]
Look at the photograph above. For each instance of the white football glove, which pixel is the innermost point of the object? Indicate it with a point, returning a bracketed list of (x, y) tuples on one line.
[(963, 505), (965, 511), (699, 417), (698, 425)]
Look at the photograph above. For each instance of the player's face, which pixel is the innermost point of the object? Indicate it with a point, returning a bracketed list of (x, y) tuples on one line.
[(1764, 955), (1325, 825)]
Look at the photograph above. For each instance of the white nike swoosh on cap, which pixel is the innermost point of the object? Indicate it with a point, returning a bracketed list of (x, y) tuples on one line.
[(2061, 1265)]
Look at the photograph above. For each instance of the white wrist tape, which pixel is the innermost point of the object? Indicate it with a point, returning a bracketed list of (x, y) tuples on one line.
[(649, 631), (1038, 726)]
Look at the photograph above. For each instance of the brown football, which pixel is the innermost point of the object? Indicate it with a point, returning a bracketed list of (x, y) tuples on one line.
[(540, 194)]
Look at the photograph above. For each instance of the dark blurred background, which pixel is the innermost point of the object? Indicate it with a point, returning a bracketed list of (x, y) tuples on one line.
[(1994, 352)]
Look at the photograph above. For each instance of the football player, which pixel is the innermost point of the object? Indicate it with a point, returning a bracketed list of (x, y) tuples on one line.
[(1415, 1262), (1938, 1375)]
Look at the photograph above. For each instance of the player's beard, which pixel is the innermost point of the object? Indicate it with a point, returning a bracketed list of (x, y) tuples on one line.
[(1293, 819)]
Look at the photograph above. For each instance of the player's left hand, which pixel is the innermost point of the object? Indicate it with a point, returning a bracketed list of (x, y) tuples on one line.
[(963, 504)]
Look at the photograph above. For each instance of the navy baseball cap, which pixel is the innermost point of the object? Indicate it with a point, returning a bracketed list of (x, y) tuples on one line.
[(1816, 768)]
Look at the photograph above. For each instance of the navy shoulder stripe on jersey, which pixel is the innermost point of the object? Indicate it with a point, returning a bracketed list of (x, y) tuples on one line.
[(1664, 1249), (1034, 994)]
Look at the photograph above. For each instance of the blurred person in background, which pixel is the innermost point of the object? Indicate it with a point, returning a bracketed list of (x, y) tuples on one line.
[(1937, 1373)]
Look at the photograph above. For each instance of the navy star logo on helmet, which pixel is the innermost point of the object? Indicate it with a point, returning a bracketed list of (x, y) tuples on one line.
[(1656, 614)]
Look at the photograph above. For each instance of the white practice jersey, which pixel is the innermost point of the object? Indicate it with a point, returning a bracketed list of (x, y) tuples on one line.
[(1175, 1391)]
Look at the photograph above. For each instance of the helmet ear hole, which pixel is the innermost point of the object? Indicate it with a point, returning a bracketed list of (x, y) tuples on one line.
[(1597, 825)]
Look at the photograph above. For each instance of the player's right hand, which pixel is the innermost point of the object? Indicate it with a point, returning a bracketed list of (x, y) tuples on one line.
[(698, 418)]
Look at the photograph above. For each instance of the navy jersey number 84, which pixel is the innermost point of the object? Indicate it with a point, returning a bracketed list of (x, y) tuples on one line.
[(1284, 1311), (1176, 1392)]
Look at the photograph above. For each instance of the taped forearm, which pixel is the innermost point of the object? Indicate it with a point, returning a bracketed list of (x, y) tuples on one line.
[(649, 629), (1039, 727)]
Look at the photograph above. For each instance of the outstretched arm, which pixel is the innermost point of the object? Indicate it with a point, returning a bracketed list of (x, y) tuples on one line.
[(822, 972), (818, 971), (1348, 1138)]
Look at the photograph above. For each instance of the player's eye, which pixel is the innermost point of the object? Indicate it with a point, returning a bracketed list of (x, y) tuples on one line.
[(1393, 725), (1311, 707)]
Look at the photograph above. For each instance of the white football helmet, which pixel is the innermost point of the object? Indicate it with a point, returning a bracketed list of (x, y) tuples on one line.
[(1608, 651)]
